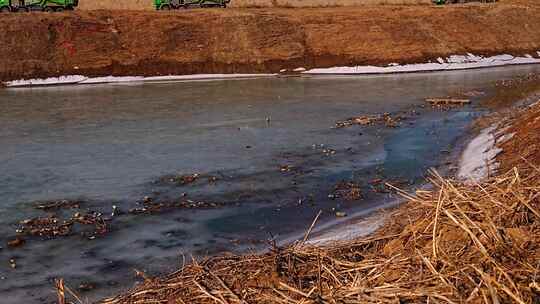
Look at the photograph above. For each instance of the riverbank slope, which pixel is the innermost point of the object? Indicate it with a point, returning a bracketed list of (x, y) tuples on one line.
[(102, 43)]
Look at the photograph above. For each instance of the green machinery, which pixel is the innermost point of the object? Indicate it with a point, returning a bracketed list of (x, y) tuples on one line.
[(176, 4), (5, 6), (37, 5), (51, 5)]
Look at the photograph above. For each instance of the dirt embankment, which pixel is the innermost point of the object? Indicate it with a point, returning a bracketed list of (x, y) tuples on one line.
[(148, 5), (97, 43)]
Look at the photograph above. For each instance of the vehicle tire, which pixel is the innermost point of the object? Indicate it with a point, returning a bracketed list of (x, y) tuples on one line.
[(5, 9), (48, 9), (59, 9), (22, 10), (166, 7)]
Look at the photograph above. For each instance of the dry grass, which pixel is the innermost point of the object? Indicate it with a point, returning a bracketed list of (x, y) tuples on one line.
[(526, 141), (456, 244), (116, 4)]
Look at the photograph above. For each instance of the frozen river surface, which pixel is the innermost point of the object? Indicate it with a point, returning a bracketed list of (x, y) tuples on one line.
[(267, 145)]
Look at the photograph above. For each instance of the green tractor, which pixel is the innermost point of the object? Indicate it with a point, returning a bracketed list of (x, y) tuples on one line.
[(5, 6), (166, 5), (50, 5), (37, 5)]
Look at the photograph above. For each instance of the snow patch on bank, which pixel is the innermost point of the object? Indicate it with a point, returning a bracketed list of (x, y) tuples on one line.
[(73, 79), (478, 159), (505, 137), (355, 230), (79, 79), (454, 62)]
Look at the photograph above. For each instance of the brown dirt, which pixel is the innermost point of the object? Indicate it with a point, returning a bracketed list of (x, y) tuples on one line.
[(525, 145), (147, 5), (97, 43)]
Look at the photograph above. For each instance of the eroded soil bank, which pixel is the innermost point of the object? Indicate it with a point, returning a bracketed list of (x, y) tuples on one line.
[(98, 43)]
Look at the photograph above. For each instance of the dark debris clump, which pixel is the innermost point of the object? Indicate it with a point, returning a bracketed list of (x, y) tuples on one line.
[(347, 190), (151, 206), (386, 119), (52, 226)]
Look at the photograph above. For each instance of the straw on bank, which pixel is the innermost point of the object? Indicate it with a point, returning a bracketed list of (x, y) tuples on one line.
[(455, 244)]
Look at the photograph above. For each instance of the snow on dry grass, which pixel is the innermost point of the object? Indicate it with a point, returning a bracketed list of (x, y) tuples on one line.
[(478, 158)]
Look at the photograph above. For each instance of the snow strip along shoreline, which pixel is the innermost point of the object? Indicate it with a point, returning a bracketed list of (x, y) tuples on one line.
[(478, 160), (452, 63), (81, 80)]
